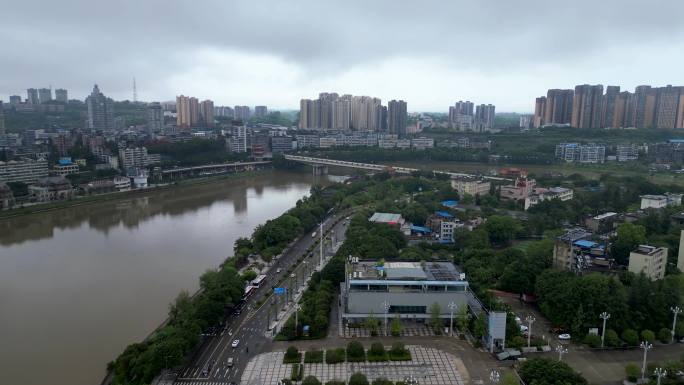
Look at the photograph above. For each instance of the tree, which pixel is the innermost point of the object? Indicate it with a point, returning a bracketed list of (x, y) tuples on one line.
[(355, 352), (358, 379), (502, 229), (311, 380), (548, 371), (462, 318), (382, 381), (632, 371), (664, 335), (647, 335), (435, 317), (630, 337), (611, 339), (249, 275), (372, 323), (629, 236)]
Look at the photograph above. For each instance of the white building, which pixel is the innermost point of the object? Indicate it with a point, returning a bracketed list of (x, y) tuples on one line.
[(25, 170), (471, 186), (446, 233), (239, 138), (121, 183), (660, 201), (649, 260), (627, 152), (65, 169), (422, 143)]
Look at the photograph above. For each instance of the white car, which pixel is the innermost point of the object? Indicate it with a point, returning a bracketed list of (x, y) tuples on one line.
[(564, 336), (523, 328), (235, 343)]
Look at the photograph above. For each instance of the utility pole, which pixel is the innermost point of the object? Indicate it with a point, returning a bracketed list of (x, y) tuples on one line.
[(322, 245), (646, 346), (604, 316), (676, 311), (561, 350), (530, 320), (452, 306), (297, 307)]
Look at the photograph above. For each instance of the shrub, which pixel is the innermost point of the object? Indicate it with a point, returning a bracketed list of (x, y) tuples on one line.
[(297, 372), (664, 335), (592, 340), (399, 353), (517, 342), (377, 352), (382, 381), (286, 381), (632, 371), (611, 338), (358, 379), (630, 337), (335, 382), (647, 335), (395, 327), (355, 352), (292, 356), (311, 380), (313, 357), (334, 356)]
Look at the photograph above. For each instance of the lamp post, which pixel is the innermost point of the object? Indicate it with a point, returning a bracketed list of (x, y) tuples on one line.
[(561, 350), (676, 311), (659, 373), (385, 307), (646, 346), (452, 306), (297, 307), (292, 287), (494, 376), (322, 239), (604, 316), (530, 320)]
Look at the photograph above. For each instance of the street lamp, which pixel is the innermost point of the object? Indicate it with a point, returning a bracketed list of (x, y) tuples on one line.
[(297, 308), (530, 320), (452, 306), (561, 350), (676, 311), (494, 376), (604, 316), (385, 307), (646, 346), (659, 373)]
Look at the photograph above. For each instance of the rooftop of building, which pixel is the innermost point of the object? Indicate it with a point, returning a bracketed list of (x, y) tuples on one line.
[(406, 271), (575, 234), (390, 218), (653, 197), (606, 215), (647, 250)]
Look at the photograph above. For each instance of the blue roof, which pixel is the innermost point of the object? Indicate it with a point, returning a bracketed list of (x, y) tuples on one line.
[(449, 203), (420, 229), (64, 161), (405, 282), (584, 243), (444, 214), (675, 140)]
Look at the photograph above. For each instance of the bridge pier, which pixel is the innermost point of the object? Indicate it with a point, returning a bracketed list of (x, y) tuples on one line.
[(319, 169)]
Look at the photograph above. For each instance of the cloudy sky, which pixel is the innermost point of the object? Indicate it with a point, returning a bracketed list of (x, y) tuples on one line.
[(429, 53)]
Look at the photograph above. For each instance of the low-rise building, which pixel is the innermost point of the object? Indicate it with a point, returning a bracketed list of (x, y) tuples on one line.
[(64, 169), (660, 201), (520, 190), (25, 170), (602, 224), (470, 185), (649, 260), (402, 289), (122, 183), (422, 143), (626, 152), (393, 220), (6, 196), (575, 251), (51, 189)]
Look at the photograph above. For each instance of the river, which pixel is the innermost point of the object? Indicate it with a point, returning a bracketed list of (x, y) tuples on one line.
[(79, 284)]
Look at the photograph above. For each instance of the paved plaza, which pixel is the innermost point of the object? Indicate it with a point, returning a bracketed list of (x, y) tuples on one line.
[(430, 366), (408, 329)]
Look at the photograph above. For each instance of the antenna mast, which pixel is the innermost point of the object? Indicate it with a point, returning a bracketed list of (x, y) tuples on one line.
[(135, 92)]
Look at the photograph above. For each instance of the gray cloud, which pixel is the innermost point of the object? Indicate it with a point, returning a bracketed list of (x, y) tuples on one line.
[(430, 53)]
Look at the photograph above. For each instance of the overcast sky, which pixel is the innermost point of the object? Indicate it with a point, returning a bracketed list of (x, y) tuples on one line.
[(429, 53)]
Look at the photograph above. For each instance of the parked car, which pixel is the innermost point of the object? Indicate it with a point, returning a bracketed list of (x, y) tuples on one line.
[(564, 336), (235, 343)]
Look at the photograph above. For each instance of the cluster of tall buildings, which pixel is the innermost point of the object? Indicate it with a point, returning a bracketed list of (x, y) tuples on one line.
[(41, 96), (347, 112), (462, 117), (190, 112), (2, 119), (587, 106), (243, 113)]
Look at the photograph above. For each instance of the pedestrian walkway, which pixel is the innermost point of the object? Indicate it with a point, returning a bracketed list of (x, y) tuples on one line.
[(429, 366), (409, 328)]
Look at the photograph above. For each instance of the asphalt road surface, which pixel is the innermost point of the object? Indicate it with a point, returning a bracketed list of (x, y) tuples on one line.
[(210, 363)]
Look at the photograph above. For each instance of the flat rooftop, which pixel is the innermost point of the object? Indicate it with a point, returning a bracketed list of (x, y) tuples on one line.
[(406, 271), (386, 218)]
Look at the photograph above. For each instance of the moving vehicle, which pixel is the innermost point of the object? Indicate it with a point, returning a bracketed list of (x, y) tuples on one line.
[(564, 336), (313, 235), (235, 343), (278, 270), (259, 280), (229, 363)]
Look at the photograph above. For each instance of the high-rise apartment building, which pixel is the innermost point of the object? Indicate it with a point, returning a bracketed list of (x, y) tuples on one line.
[(397, 117), (242, 113), (155, 117), (539, 108), (484, 118), (32, 96), (2, 120), (223, 111), (586, 106), (238, 139), (366, 113), (608, 106), (341, 113), (461, 115), (639, 106), (15, 99), (61, 95), (667, 106), (187, 111), (206, 111), (260, 111), (45, 95), (100, 111), (558, 107)]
